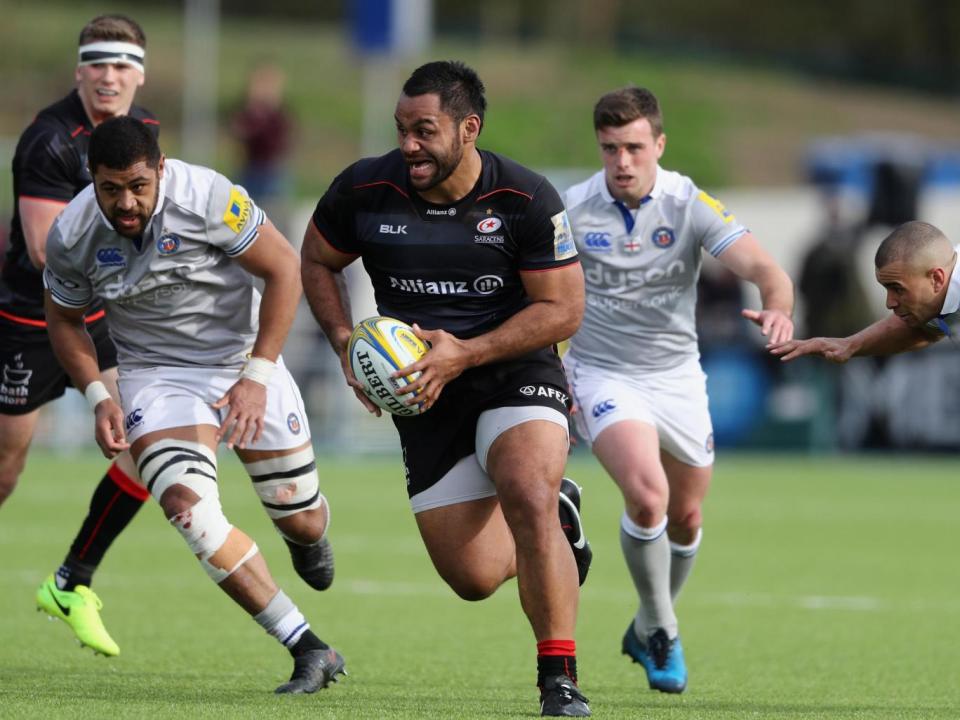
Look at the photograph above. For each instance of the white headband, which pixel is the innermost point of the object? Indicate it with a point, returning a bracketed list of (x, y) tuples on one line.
[(112, 52)]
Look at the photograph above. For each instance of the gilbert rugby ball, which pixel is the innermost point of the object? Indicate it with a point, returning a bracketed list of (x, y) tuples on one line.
[(379, 346)]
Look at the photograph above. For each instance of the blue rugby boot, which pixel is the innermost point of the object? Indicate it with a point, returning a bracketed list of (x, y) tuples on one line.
[(661, 657)]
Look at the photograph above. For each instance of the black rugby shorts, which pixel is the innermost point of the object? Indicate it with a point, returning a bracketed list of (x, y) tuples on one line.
[(30, 375), (436, 440)]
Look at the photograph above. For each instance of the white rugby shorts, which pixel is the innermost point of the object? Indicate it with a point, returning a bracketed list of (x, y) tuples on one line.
[(674, 401), (167, 397)]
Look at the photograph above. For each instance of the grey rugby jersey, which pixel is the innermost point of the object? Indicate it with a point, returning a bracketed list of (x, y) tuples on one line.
[(176, 298), (641, 281)]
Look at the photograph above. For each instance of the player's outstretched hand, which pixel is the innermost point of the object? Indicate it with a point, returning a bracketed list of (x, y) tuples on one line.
[(247, 401), (109, 428), (836, 350), (775, 325), (445, 360)]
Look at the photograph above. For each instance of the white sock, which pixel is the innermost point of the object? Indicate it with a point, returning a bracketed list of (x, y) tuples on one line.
[(681, 563), (281, 619), (647, 552)]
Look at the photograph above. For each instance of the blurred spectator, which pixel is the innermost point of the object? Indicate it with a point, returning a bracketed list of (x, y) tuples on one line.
[(719, 301), (834, 299), (264, 128)]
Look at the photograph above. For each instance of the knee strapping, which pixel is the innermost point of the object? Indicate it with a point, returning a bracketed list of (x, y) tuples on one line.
[(219, 546), (287, 485), (178, 462)]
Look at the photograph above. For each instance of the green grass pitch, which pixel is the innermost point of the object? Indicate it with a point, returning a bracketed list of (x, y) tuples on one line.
[(825, 588)]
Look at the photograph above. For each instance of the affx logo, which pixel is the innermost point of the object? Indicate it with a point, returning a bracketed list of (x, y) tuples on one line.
[(544, 391), (393, 229)]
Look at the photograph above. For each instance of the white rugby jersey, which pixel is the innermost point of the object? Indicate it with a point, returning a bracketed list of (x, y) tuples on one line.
[(948, 321), (176, 298), (641, 269)]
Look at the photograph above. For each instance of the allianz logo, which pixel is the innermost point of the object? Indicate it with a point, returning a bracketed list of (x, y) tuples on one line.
[(598, 274), (484, 285)]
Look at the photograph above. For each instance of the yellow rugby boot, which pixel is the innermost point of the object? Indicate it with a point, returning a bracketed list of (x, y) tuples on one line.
[(80, 609)]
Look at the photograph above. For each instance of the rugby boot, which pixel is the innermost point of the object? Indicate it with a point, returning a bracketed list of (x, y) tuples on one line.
[(661, 657), (313, 563), (560, 697), (80, 609), (313, 671), (573, 526)]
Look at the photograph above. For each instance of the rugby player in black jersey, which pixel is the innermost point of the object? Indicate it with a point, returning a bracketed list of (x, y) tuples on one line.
[(474, 251), (49, 168)]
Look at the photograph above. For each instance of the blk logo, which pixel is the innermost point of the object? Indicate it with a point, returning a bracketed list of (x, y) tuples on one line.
[(393, 229)]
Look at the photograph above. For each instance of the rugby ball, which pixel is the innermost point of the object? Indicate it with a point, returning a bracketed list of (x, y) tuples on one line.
[(379, 346)]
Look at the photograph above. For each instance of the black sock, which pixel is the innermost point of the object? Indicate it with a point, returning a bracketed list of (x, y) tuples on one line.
[(307, 642), (550, 665), (113, 505)]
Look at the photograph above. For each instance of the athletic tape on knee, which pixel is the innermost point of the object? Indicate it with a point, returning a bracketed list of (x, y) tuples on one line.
[(288, 484), (178, 462), (641, 533), (219, 546), (237, 550), (687, 550)]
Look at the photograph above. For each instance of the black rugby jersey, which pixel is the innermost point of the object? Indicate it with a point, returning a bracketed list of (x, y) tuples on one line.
[(50, 163), (451, 267)]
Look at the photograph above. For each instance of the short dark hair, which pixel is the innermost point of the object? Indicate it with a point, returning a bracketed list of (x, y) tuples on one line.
[(623, 106), (906, 241), (120, 142), (459, 88), (118, 28)]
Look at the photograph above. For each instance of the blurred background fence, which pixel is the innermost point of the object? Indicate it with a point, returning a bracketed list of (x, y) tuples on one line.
[(820, 124)]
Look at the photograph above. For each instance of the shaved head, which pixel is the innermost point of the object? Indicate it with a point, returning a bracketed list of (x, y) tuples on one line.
[(918, 245)]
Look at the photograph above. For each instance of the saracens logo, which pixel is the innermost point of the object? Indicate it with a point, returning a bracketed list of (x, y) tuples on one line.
[(663, 237), (168, 244), (489, 225)]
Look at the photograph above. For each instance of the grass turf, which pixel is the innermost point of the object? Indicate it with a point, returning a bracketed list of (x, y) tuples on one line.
[(826, 588)]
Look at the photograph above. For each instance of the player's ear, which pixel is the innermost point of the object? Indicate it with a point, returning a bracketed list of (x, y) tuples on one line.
[(141, 80), (938, 276), (160, 166), (470, 128), (661, 144)]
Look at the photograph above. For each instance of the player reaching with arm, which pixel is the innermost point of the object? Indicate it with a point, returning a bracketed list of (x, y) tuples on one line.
[(916, 265), (49, 168), (475, 252), (172, 250), (634, 365)]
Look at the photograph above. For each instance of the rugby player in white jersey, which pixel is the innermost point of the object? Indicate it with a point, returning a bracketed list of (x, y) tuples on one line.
[(172, 250), (634, 365), (917, 265)]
